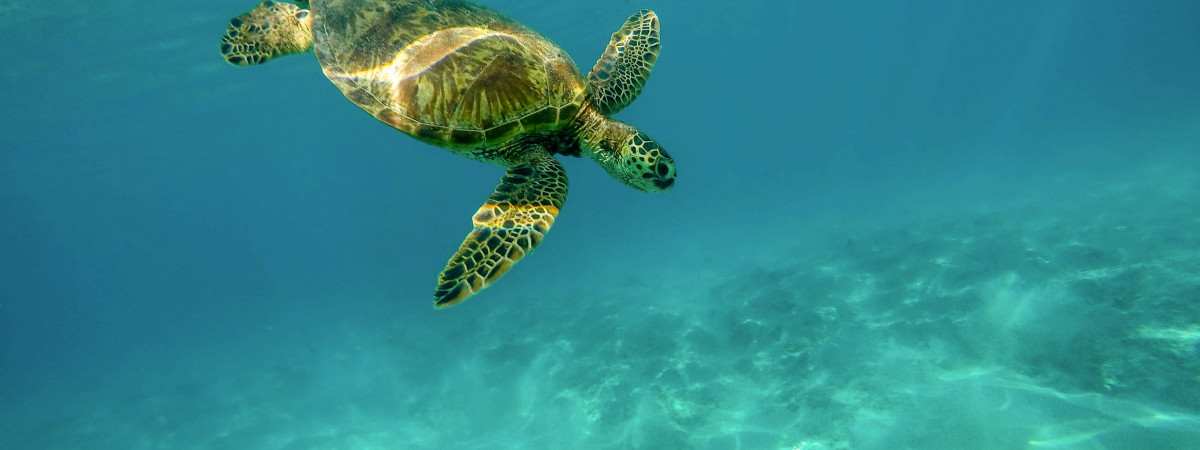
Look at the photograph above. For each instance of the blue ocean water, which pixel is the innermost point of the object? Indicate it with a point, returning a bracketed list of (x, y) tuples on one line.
[(908, 225)]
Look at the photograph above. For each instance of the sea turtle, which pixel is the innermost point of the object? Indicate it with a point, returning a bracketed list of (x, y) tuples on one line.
[(471, 80)]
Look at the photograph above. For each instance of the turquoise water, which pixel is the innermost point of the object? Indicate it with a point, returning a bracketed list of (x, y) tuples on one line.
[(911, 225)]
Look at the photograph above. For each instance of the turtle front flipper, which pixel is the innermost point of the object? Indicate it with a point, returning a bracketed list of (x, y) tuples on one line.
[(270, 30), (510, 225), (622, 71)]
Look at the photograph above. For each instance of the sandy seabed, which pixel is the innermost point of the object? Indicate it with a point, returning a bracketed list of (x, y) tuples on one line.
[(1067, 319)]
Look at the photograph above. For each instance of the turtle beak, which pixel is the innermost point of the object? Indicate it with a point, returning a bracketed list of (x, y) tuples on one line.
[(659, 171)]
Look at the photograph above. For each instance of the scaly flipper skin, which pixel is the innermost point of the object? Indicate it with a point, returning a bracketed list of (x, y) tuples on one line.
[(270, 30), (622, 71), (509, 226)]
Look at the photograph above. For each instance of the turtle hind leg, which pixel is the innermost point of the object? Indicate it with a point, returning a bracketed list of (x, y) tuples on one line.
[(507, 227), (621, 73), (270, 30)]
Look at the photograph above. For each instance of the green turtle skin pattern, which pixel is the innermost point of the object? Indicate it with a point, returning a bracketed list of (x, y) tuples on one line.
[(621, 73), (508, 226), (472, 81), (270, 30), (450, 73)]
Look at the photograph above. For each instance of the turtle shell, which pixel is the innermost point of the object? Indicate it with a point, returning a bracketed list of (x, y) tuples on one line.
[(450, 73)]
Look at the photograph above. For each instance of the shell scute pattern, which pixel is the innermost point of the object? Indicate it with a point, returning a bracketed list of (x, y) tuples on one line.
[(459, 76)]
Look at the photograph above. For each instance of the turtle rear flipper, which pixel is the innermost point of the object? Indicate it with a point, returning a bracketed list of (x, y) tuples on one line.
[(270, 30), (507, 227), (622, 71)]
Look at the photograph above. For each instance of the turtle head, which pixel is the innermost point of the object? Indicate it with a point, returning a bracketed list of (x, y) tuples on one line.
[(625, 152), (643, 164), (630, 156)]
